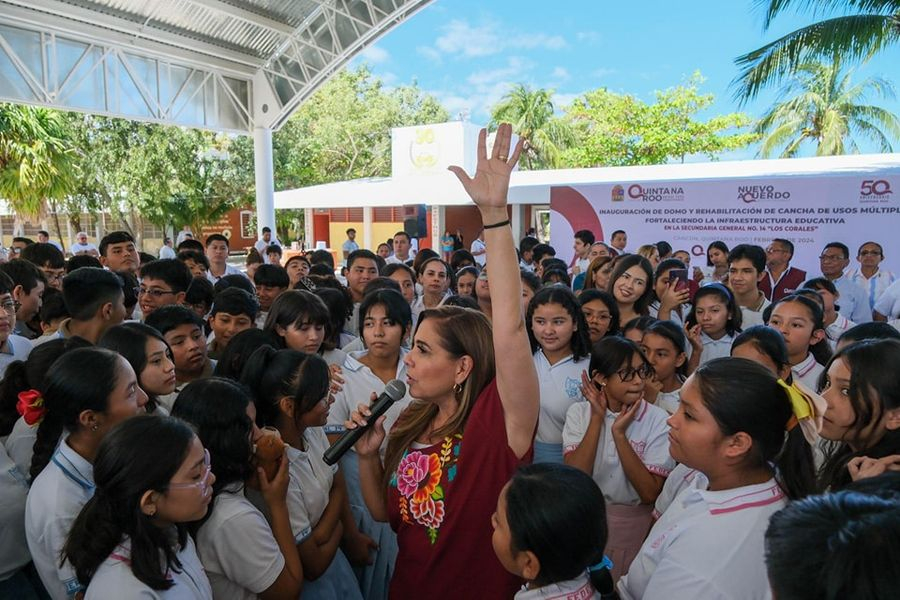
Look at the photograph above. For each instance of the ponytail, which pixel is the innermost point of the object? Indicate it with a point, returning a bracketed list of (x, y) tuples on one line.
[(270, 375)]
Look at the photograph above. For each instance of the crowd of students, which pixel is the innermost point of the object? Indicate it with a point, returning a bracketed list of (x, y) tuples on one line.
[(618, 427)]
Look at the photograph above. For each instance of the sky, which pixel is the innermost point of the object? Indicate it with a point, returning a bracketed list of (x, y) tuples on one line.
[(468, 53)]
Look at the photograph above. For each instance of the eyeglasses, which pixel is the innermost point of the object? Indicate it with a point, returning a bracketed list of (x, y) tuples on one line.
[(830, 258), (203, 484), (644, 372), (52, 276), (154, 293), (590, 316), (870, 253), (10, 306)]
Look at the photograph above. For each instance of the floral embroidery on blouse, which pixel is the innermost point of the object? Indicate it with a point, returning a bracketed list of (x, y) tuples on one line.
[(421, 480)]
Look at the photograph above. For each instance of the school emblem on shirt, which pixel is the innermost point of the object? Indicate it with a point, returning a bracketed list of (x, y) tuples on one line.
[(573, 387)]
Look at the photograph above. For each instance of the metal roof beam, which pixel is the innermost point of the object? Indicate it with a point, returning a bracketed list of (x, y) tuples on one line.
[(230, 10)]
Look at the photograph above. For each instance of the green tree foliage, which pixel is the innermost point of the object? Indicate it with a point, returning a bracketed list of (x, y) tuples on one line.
[(858, 29), (531, 114), (823, 107), (616, 130)]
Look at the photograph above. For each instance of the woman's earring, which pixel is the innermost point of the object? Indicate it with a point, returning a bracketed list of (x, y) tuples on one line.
[(457, 389)]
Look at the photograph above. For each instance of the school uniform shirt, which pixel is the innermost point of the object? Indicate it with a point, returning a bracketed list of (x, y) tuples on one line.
[(63, 332), (707, 545), (834, 331), (854, 304), (789, 282), (526, 266), (579, 588), (674, 317), (560, 386), (229, 270), (681, 478), (720, 348), (873, 286), (418, 305), (310, 483), (14, 348), (808, 372), (888, 304), (669, 401), (479, 246), (115, 575), (13, 493), (57, 496), (167, 252), (19, 444), (647, 434), (754, 316), (393, 259), (237, 547)]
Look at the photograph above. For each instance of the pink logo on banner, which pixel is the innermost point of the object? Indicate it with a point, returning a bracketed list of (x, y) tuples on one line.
[(576, 209)]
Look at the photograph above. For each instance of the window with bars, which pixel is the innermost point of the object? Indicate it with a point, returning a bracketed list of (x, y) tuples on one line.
[(346, 215)]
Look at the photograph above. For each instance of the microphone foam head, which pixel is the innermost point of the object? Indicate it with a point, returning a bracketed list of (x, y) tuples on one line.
[(396, 389)]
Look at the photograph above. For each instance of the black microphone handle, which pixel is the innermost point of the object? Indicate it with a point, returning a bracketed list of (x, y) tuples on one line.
[(351, 436)]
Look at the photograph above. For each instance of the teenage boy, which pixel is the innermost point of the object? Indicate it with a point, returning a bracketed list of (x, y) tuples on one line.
[(273, 255), (183, 331), (869, 276), (271, 281), (49, 259), (12, 347), (853, 304), (362, 267), (27, 293), (118, 252), (163, 282), (233, 311), (195, 261), (95, 300), (582, 246), (780, 279), (746, 268), (526, 253), (217, 253), (402, 245)]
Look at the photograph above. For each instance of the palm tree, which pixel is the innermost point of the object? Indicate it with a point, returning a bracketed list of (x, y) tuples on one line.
[(823, 107), (37, 160), (531, 114), (871, 26)]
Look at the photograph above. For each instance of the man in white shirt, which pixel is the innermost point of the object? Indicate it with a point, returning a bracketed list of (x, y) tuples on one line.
[(44, 238), (854, 304), (869, 276), (402, 246), (887, 307), (582, 246), (619, 240), (83, 246), (350, 244), (265, 241), (217, 253), (479, 249), (746, 268), (167, 251)]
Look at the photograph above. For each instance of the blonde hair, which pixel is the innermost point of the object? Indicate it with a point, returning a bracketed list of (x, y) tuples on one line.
[(461, 332), (647, 251)]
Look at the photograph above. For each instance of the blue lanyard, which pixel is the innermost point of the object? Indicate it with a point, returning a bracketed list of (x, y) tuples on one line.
[(88, 487)]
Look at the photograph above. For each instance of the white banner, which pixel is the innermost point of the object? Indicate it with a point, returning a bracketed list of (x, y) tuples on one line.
[(808, 210)]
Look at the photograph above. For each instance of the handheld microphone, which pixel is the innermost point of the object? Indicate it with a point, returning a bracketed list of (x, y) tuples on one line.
[(393, 391)]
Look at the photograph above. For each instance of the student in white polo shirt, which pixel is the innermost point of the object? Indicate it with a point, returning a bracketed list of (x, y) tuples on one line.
[(12, 347), (620, 440), (87, 392), (835, 323), (801, 322), (711, 324), (731, 427), (562, 352), (131, 540), (242, 554), (14, 553), (665, 345)]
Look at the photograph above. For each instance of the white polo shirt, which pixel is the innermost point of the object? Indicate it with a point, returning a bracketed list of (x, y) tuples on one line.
[(720, 348), (20, 444), (14, 348), (808, 372), (888, 304), (751, 317), (873, 286), (707, 545), (833, 332), (681, 478), (560, 386), (13, 492), (359, 383), (237, 547), (418, 305), (579, 588), (229, 270), (669, 401), (114, 574), (647, 434), (310, 484), (57, 496)]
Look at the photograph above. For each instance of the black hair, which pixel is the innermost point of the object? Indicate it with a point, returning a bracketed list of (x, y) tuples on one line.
[(718, 245), (529, 278), (733, 324), (130, 341), (166, 318), (53, 306), (114, 237), (874, 389), (195, 255), (846, 542), (586, 236), (200, 291), (172, 271), (617, 232), (382, 283), (821, 351), (551, 262), (7, 285), (664, 266), (24, 273), (360, 254), (273, 374), (126, 468), (528, 243), (216, 237), (77, 381), (129, 289), (788, 244), (447, 269), (610, 353), (83, 260), (664, 248), (274, 249), (44, 255), (462, 302), (235, 301), (322, 270), (317, 257), (401, 232), (675, 335), (567, 532), (340, 307), (234, 280), (540, 251), (627, 262), (267, 230), (191, 244), (875, 330), (861, 246), (239, 350), (297, 308), (742, 395), (216, 408), (254, 258), (556, 276), (751, 252), (395, 306), (461, 256), (842, 247), (611, 305), (421, 256), (392, 268), (297, 258), (23, 240), (821, 283), (272, 276), (87, 289), (580, 343), (641, 324), (766, 341)]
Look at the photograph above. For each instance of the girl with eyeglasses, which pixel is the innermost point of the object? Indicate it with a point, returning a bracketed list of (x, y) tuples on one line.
[(620, 439), (131, 538)]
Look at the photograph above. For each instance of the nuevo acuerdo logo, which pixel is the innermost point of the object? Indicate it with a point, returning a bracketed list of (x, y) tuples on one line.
[(663, 193), (762, 193)]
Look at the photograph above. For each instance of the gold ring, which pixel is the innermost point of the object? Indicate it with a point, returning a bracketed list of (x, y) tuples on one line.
[(503, 158)]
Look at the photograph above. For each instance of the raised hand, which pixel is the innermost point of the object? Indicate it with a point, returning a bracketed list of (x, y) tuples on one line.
[(489, 188)]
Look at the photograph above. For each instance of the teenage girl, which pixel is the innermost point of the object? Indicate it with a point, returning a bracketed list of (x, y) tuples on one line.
[(634, 329), (300, 319), (86, 392), (550, 539), (620, 440), (835, 323), (711, 324), (664, 345), (291, 392), (559, 340), (631, 283), (862, 418), (241, 553), (131, 537), (149, 355), (669, 303), (601, 313), (800, 321), (465, 281), (716, 265), (730, 426)]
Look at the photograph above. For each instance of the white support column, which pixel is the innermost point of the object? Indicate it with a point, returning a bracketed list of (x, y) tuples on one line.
[(516, 222), (438, 218), (367, 228), (308, 234), (265, 182), (70, 237)]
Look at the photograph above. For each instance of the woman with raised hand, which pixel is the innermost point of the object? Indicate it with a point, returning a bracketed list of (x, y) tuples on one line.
[(455, 447)]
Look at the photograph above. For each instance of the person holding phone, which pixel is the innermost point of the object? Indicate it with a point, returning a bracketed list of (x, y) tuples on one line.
[(671, 292), (746, 268)]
